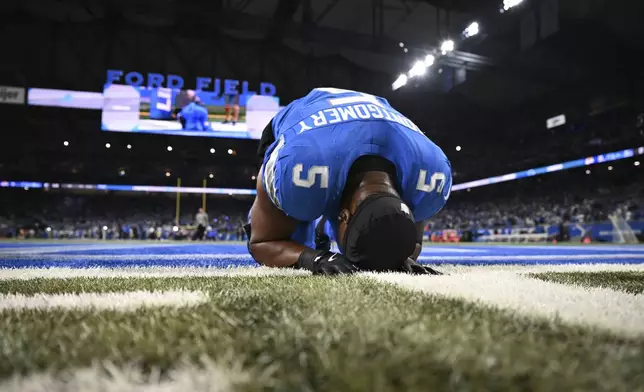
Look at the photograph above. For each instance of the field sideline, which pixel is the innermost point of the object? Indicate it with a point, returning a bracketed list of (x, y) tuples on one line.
[(132, 316)]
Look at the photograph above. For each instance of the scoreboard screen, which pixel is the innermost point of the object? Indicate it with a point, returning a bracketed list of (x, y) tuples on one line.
[(186, 112)]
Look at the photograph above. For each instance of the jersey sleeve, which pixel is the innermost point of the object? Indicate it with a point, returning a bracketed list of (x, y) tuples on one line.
[(433, 188), (295, 181)]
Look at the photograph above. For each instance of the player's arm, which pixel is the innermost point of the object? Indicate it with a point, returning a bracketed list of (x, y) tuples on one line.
[(271, 231), (270, 243)]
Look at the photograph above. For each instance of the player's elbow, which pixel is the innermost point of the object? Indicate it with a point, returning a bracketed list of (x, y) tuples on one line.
[(260, 252)]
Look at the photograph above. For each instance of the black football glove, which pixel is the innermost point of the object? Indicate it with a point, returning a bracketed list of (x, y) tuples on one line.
[(325, 263), (322, 242), (412, 267)]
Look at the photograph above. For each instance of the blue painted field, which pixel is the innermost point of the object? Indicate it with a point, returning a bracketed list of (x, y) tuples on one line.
[(220, 255)]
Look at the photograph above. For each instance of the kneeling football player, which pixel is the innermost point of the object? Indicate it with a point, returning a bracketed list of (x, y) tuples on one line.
[(367, 170)]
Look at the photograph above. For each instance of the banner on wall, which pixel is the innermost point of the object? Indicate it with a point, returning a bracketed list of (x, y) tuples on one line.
[(12, 95), (65, 98)]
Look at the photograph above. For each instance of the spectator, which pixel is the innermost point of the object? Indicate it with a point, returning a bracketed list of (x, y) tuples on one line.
[(201, 219)]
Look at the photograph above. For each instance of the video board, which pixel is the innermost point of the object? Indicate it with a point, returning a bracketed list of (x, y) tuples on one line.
[(170, 111)]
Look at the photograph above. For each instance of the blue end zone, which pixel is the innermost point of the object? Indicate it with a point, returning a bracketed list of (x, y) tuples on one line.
[(218, 255), (30, 244)]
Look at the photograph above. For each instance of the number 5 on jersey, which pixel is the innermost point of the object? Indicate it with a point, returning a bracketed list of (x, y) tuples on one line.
[(436, 182), (311, 177)]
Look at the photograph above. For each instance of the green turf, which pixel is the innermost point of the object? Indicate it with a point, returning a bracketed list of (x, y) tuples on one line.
[(312, 333), (627, 281)]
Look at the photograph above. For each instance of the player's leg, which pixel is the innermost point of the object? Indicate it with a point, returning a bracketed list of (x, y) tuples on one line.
[(235, 116), (227, 109)]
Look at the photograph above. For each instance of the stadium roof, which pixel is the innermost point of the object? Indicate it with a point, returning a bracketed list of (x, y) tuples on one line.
[(542, 46)]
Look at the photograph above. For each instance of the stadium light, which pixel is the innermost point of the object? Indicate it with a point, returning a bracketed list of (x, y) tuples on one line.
[(401, 81), (447, 46), (211, 175), (107, 145), (212, 150), (405, 50), (507, 4), (121, 172), (65, 143), (587, 171), (129, 146), (458, 148), (169, 148), (230, 151), (636, 163), (429, 60), (610, 168), (471, 30), (418, 69), (167, 174), (401, 44)]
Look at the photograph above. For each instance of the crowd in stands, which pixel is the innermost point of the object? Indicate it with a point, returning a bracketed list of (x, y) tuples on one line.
[(35, 214), (526, 211), (40, 214)]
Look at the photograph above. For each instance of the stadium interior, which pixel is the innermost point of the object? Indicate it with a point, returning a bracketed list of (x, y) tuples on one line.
[(538, 104)]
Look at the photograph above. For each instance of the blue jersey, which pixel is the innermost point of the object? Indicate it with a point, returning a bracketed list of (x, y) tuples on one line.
[(318, 138), (196, 117)]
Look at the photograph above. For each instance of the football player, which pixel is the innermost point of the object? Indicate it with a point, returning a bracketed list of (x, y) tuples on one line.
[(363, 167), (231, 108)]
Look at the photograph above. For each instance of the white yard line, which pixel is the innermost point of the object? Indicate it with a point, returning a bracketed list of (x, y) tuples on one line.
[(171, 272), (538, 268), (245, 256), (108, 378), (126, 301), (607, 309), (607, 248), (459, 249), (34, 249), (558, 257), (143, 272), (146, 256)]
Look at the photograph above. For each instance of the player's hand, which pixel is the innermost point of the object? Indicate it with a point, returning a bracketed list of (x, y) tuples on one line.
[(329, 263), (322, 242), (411, 266)]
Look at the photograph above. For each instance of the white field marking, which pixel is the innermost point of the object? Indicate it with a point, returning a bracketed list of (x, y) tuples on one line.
[(539, 268), (126, 301), (604, 256), (144, 272), (607, 309), (437, 249), (208, 377), (607, 248), (218, 257), (147, 256), (84, 247)]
